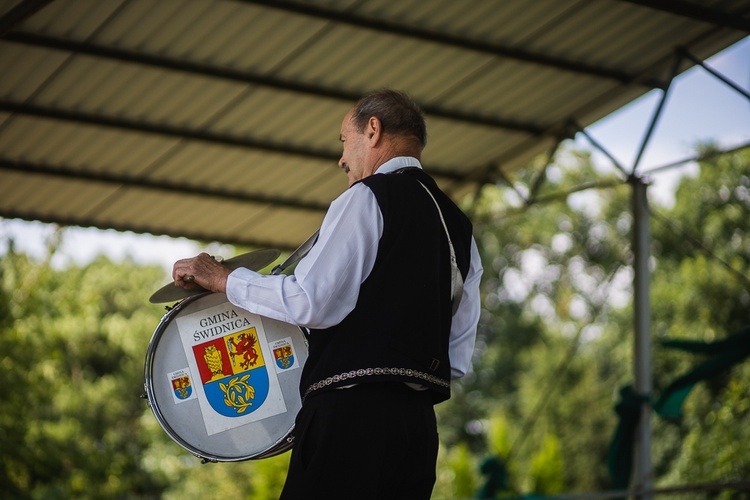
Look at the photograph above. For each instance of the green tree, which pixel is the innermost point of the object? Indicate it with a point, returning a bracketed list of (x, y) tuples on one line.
[(553, 271), (555, 339), (74, 354), (457, 473), (72, 348), (701, 292), (547, 467)]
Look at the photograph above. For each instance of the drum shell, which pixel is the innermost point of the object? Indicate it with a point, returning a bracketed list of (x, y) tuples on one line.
[(184, 422)]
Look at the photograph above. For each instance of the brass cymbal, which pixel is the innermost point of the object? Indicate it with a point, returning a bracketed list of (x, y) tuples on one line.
[(252, 260)]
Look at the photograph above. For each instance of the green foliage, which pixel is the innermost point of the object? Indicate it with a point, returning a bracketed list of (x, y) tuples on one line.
[(458, 476), (547, 467), (552, 274), (72, 350), (702, 287), (498, 435), (556, 328), (715, 432), (252, 480)]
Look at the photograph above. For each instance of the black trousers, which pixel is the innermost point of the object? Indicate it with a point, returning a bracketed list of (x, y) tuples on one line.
[(371, 441)]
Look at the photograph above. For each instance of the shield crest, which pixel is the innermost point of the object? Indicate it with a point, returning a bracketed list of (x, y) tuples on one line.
[(182, 387), (233, 372), (284, 356)]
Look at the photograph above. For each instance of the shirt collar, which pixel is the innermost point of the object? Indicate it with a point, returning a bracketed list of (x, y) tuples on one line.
[(398, 163)]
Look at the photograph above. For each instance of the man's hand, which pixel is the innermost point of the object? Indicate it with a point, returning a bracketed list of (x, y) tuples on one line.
[(202, 270)]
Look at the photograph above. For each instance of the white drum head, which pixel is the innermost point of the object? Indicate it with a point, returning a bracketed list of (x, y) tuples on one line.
[(223, 382)]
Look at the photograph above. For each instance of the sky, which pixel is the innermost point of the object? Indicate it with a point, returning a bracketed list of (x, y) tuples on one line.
[(699, 109)]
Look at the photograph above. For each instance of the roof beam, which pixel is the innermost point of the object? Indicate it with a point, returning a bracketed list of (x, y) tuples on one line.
[(166, 130), (251, 78), (189, 134), (19, 13), (696, 11), (143, 183), (404, 30), (230, 239)]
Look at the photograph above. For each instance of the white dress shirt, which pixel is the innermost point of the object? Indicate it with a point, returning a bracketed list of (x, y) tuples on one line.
[(325, 285)]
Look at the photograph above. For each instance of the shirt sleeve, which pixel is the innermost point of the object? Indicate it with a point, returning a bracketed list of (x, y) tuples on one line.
[(464, 323), (325, 286)]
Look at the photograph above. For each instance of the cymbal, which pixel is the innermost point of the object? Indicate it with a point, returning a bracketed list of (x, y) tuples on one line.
[(252, 260)]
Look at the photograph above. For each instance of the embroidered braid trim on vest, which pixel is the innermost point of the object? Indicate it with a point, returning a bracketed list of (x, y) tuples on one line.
[(364, 372)]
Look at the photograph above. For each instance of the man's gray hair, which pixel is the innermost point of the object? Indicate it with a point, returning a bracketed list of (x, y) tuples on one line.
[(397, 112)]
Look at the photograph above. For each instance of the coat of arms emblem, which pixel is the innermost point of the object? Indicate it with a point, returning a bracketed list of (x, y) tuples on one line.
[(233, 372)]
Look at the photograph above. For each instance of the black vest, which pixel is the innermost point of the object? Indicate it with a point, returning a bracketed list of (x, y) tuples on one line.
[(400, 327)]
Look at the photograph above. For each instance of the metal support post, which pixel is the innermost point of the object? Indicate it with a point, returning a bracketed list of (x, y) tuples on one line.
[(643, 475)]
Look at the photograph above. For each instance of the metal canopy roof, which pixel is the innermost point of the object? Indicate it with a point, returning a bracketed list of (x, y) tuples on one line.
[(219, 119)]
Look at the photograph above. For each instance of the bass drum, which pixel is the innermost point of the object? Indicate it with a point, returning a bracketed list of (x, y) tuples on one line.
[(222, 382)]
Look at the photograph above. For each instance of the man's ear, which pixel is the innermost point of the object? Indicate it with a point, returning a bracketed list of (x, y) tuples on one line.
[(373, 131)]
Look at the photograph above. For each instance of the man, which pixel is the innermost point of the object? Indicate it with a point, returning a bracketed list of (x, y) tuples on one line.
[(390, 324)]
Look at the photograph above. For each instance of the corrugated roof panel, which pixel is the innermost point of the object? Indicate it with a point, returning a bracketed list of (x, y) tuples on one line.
[(252, 221), (156, 27), (556, 97), (464, 146), (269, 143), (249, 37), (138, 92), (281, 225), (236, 169), (147, 208), (603, 104), (318, 125), (131, 154), (434, 71), (212, 38), (503, 90), (564, 102), (56, 197), (453, 73), (610, 33), (360, 60), (19, 191), (320, 185), (284, 177), (6, 5), (19, 140), (82, 147), (203, 164), (347, 58), (519, 21), (191, 213), (157, 208), (275, 226), (614, 46), (72, 19), (250, 115), (495, 22), (24, 69), (286, 118), (254, 173), (69, 89)]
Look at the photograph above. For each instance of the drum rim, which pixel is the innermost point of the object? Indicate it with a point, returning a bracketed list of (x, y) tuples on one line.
[(280, 446)]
